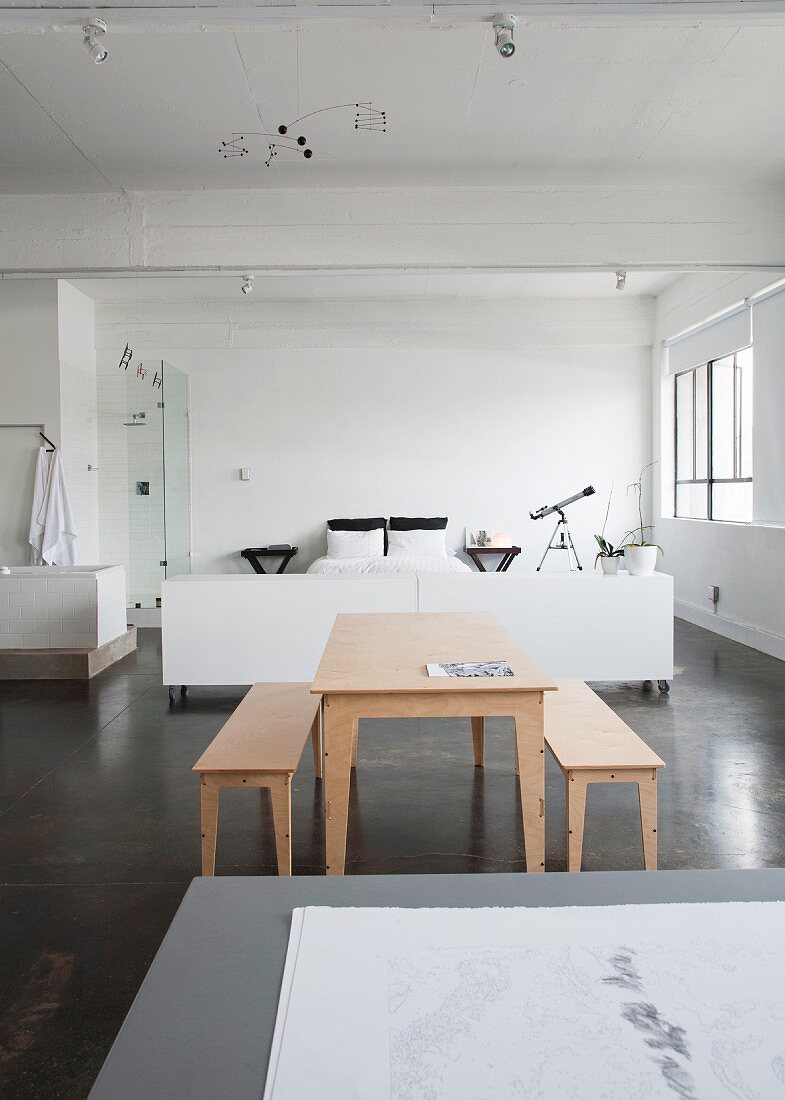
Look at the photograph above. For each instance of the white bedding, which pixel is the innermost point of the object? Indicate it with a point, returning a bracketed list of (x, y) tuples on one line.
[(405, 564)]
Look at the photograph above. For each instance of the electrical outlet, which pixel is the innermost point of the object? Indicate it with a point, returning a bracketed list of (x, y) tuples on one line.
[(714, 593), (245, 473)]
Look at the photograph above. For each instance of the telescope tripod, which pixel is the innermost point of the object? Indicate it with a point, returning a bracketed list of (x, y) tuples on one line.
[(561, 539)]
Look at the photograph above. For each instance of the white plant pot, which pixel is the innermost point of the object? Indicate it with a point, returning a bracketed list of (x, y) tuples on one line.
[(641, 560), (610, 566)]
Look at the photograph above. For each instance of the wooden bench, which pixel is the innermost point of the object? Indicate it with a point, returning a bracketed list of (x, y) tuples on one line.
[(592, 744), (260, 746)]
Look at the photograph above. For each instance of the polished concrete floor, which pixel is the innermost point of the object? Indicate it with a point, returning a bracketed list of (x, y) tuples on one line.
[(99, 833)]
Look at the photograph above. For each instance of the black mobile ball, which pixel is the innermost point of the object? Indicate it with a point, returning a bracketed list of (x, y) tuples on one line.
[(307, 153), (301, 141), (282, 129)]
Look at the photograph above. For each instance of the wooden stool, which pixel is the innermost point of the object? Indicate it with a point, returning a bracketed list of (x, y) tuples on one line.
[(591, 744), (260, 746)]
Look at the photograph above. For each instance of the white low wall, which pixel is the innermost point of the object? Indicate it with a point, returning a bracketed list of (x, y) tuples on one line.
[(584, 625), (240, 630)]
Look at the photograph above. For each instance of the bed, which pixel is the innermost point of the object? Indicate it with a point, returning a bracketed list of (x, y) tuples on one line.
[(400, 565)]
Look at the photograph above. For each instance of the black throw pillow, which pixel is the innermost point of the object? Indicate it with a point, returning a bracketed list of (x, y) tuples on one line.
[(406, 523), (357, 524)]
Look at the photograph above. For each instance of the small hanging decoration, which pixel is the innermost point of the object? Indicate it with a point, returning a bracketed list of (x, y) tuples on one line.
[(366, 117), (141, 370)]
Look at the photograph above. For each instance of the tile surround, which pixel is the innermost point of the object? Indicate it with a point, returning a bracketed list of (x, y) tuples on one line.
[(59, 611)]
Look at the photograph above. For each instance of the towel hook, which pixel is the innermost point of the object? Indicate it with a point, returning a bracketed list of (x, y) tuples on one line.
[(49, 441)]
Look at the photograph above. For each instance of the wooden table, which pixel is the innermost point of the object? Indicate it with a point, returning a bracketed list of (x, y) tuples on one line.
[(373, 666), (507, 554)]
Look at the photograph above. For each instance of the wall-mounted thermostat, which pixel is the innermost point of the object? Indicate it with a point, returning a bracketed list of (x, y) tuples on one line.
[(245, 473)]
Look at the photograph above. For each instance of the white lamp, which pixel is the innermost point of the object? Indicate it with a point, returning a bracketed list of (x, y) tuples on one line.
[(501, 538)]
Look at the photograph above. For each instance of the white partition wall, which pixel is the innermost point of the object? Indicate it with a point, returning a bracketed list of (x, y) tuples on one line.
[(574, 624), (240, 630)]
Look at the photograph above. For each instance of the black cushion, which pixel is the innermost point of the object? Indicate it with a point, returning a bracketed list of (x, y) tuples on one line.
[(357, 524), (406, 523)]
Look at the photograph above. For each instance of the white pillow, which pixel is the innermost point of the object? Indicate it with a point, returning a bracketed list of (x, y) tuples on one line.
[(355, 544), (430, 544)]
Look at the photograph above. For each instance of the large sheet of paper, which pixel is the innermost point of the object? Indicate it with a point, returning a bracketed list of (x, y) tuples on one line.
[(627, 1002)]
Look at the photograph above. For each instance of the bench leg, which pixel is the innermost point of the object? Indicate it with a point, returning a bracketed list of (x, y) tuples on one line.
[(281, 796), (209, 798), (355, 739), (576, 811), (316, 743), (647, 796), (478, 738)]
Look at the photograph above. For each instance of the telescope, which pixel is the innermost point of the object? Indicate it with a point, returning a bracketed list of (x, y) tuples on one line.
[(561, 539), (548, 511)]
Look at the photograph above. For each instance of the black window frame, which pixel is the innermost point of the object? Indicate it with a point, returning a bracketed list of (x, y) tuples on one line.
[(709, 481)]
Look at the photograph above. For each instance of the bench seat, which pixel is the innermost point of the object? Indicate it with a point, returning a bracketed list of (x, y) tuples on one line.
[(592, 744), (260, 746)]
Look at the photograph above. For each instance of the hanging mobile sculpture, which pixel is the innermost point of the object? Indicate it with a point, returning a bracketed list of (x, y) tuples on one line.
[(366, 117)]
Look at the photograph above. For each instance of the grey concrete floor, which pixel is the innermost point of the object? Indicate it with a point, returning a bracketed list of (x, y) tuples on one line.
[(99, 832)]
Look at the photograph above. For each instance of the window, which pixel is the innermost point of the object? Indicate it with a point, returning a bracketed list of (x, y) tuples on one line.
[(714, 440)]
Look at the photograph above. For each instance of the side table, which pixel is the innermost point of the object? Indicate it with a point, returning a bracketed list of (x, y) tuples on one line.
[(507, 553), (252, 554)]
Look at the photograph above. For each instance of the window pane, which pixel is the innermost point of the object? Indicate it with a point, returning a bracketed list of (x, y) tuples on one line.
[(684, 426), (723, 439), (701, 421), (691, 501), (744, 362), (732, 502)]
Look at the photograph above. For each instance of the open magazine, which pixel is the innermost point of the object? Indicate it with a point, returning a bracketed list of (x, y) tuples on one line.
[(471, 668)]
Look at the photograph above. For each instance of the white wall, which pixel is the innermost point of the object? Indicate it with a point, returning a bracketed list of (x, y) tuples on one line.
[(744, 560), (29, 394), (481, 436), (79, 415)]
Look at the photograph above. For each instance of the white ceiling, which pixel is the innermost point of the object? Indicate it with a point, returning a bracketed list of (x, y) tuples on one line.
[(362, 285), (578, 104)]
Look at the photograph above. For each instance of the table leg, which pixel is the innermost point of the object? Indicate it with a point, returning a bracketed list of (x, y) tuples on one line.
[(209, 800), (339, 723), (478, 738), (355, 739), (530, 745)]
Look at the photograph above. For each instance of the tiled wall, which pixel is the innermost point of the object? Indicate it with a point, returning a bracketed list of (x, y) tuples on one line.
[(48, 612), (79, 448)]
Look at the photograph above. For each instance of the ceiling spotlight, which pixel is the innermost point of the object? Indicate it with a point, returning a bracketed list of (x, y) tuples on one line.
[(504, 26), (94, 32), (621, 280), (247, 287)]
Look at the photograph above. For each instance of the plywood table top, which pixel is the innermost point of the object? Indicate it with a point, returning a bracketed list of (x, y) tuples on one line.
[(388, 652)]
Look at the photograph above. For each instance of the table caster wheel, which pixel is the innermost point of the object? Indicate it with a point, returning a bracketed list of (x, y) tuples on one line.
[(664, 686), (647, 685), (171, 694)]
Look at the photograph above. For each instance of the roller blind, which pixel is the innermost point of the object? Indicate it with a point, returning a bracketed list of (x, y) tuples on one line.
[(711, 341)]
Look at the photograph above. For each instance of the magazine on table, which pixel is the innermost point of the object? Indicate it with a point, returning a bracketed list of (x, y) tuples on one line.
[(471, 668)]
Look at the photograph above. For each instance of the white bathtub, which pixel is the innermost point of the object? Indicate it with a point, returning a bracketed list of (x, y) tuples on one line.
[(61, 607)]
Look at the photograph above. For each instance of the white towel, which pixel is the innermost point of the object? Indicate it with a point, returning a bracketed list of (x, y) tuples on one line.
[(36, 536), (57, 518)]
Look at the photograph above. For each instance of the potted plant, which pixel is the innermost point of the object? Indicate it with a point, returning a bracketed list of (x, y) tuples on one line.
[(640, 555), (608, 555)]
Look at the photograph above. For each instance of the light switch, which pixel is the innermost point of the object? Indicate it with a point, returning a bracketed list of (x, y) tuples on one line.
[(245, 473)]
